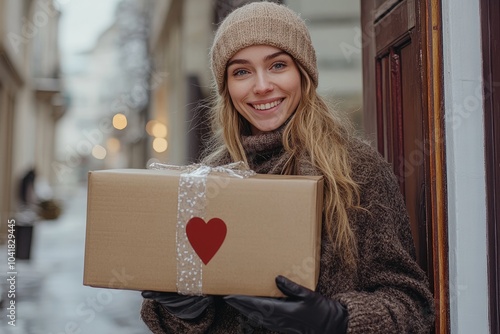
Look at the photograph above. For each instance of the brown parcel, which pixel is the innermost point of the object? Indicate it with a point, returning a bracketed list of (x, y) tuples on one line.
[(273, 227)]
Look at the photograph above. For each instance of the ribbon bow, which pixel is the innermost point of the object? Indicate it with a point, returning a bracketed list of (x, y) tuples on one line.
[(237, 169)]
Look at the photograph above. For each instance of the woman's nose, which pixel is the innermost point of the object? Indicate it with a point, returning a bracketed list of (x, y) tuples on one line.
[(263, 84)]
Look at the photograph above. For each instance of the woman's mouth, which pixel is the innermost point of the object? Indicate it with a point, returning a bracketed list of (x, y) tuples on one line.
[(266, 106)]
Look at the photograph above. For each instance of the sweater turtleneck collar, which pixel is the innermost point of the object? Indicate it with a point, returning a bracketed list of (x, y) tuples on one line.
[(263, 149), (263, 142)]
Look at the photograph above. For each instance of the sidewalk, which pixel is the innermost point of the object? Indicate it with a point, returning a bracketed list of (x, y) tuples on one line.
[(50, 297)]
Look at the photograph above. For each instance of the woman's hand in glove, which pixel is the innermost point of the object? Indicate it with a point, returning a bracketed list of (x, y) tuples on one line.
[(183, 307), (302, 311)]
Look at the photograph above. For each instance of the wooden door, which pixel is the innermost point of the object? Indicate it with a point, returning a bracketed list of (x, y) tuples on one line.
[(402, 115)]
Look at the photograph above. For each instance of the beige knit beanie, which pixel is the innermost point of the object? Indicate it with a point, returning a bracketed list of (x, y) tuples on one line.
[(262, 23)]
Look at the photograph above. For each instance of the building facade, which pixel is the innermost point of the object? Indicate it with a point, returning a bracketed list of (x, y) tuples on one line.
[(30, 96)]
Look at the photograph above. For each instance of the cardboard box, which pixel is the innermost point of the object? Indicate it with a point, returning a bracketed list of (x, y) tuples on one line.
[(273, 227)]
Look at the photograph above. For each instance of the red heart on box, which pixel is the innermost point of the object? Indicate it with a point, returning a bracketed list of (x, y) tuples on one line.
[(206, 238)]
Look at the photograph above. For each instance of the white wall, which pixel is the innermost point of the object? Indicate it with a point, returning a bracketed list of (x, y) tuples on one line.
[(465, 166)]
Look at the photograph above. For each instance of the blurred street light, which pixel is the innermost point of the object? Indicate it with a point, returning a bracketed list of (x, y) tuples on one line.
[(159, 130), (113, 145), (120, 121), (160, 145), (99, 152)]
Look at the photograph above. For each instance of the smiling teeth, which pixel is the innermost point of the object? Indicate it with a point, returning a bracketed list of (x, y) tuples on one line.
[(267, 105)]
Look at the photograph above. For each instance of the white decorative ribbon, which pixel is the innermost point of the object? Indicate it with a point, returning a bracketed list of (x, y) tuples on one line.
[(191, 202)]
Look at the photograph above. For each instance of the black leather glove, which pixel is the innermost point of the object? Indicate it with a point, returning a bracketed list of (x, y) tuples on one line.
[(302, 311), (183, 307)]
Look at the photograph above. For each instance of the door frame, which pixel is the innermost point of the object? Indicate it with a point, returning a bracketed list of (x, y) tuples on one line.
[(433, 102), (490, 30)]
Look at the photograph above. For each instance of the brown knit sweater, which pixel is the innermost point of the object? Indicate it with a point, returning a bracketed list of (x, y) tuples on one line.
[(387, 293)]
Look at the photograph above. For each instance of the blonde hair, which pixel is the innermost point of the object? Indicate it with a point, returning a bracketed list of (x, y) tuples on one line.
[(314, 129)]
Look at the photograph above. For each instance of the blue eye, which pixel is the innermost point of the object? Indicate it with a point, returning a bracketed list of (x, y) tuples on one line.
[(240, 72), (279, 66)]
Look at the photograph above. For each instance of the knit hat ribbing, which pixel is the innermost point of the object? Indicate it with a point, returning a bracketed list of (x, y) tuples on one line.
[(262, 23)]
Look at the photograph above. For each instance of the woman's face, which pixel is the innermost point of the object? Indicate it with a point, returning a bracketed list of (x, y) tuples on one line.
[(264, 85)]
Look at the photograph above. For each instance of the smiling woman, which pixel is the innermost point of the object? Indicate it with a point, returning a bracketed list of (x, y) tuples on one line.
[(268, 114)]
